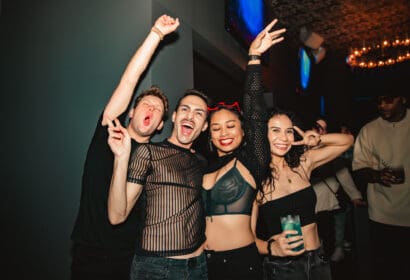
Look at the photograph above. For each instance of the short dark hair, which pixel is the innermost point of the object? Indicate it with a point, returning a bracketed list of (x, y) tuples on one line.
[(193, 92), (157, 92)]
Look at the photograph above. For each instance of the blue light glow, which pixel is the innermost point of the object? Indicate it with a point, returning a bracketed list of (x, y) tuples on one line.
[(305, 65), (322, 105), (252, 13)]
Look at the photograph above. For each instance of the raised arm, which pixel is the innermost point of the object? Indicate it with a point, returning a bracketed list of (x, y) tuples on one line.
[(331, 146), (254, 109), (253, 104), (122, 95), (323, 148)]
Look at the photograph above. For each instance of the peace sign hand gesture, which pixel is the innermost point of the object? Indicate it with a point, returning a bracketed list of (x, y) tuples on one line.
[(310, 137), (266, 39)]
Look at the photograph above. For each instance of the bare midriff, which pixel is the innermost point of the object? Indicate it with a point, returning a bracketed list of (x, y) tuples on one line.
[(227, 232)]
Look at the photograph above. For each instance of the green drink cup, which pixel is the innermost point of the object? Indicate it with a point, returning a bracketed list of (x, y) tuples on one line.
[(292, 222)]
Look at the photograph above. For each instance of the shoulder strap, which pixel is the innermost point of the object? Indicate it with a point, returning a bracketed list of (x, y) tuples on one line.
[(327, 185)]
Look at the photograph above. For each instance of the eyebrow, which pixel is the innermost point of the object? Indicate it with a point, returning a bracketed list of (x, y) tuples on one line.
[(233, 120), (291, 127), (194, 109)]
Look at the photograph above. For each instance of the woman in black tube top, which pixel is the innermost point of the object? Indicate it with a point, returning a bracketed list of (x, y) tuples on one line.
[(231, 183), (286, 190)]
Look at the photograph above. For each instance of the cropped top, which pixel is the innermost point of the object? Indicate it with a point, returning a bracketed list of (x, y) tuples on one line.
[(300, 203), (231, 194)]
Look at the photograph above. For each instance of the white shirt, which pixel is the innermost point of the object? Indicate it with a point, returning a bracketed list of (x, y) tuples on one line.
[(380, 144)]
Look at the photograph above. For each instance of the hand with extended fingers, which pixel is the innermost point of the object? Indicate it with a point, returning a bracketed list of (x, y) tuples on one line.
[(310, 137), (266, 38), (118, 139)]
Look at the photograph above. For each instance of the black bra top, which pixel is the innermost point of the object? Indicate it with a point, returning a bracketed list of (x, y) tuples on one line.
[(231, 194), (300, 203)]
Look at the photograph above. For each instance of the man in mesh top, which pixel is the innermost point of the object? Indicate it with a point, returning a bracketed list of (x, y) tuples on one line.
[(170, 246)]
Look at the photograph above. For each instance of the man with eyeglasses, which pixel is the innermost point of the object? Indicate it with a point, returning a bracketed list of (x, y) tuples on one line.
[(381, 160)]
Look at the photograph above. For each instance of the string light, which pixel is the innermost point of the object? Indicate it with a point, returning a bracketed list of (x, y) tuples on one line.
[(384, 54)]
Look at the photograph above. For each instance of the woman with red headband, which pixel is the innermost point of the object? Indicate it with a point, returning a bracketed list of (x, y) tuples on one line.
[(232, 181)]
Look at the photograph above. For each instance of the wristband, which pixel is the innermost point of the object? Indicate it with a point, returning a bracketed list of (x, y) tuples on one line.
[(158, 32), (254, 57), (270, 241)]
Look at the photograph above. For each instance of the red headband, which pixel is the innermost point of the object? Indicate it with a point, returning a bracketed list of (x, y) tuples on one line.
[(222, 104)]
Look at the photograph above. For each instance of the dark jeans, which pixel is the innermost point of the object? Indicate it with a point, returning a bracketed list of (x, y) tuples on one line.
[(92, 264), (152, 268), (311, 265), (390, 247), (242, 263)]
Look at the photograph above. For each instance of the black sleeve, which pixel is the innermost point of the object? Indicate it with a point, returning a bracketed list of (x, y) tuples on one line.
[(255, 124)]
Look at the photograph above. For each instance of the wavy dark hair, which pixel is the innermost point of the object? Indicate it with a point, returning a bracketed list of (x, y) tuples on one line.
[(294, 155)]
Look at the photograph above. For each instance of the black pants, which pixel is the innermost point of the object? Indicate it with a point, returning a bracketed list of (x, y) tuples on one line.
[(242, 263), (390, 247), (92, 264)]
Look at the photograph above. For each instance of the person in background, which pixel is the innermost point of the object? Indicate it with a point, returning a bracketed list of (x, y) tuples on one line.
[(348, 155), (101, 251), (333, 203), (231, 182), (287, 191), (170, 172), (381, 161)]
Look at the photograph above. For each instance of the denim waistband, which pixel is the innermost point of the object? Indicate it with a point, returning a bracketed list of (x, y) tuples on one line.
[(190, 262)]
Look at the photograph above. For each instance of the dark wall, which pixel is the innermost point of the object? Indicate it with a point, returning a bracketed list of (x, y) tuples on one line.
[(60, 61)]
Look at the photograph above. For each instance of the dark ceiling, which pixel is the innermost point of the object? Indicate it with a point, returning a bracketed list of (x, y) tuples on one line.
[(343, 24)]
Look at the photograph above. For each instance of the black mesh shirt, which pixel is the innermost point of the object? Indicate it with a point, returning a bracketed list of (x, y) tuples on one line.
[(172, 177)]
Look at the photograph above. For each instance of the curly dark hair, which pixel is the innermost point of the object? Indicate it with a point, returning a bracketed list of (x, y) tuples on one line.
[(294, 155)]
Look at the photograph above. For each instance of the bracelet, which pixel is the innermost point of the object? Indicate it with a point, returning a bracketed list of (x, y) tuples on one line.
[(270, 241), (158, 32), (254, 57)]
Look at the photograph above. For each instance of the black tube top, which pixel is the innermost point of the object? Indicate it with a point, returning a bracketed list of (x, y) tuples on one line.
[(300, 203)]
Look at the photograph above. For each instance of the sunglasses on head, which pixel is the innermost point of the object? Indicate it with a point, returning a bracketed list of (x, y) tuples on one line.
[(221, 105), (386, 99)]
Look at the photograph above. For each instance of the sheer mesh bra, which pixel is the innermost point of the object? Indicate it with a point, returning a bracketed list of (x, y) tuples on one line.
[(231, 194), (300, 203)]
